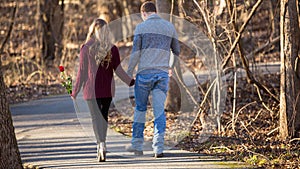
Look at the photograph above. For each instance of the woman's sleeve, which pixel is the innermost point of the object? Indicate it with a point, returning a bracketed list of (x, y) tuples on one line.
[(82, 72)]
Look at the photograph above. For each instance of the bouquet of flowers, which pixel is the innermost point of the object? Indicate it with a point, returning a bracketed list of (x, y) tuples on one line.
[(66, 80)]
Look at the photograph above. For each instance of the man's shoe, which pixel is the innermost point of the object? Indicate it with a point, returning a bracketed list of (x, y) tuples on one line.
[(159, 155), (136, 152)]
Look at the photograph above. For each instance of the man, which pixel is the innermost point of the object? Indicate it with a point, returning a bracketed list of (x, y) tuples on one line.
[(154, 39)]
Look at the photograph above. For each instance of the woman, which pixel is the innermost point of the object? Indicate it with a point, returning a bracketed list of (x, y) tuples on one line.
[(99, 59)]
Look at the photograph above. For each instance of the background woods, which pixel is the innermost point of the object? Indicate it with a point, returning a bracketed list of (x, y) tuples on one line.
[(261, 109)]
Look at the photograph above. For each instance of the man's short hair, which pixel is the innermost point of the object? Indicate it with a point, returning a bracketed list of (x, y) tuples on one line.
[(148, 7)]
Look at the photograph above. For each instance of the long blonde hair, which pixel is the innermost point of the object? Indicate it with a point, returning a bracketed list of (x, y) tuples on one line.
[(101, 47)]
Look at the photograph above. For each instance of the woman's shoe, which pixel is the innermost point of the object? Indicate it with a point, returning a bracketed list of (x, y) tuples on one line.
[(101, 152)]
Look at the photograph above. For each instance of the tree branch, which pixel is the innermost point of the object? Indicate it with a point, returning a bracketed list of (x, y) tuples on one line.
[(265, 46), (10, 29), (237, 39), (244, 60), (203, 101)]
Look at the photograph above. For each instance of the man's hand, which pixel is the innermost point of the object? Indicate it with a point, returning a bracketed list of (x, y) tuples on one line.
[(170, 72), (132, 101), (131, 96)]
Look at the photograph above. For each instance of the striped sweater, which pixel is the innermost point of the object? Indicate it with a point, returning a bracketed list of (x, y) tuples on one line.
[(154, 39)]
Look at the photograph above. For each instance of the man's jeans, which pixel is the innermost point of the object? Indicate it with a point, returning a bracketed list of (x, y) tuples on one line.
[(155, 82)]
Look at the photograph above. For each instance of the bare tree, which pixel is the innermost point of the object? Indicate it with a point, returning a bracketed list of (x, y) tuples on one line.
[(175, 101), (290, 72), (104, 10), (52, 17), (9, 154), (127, 28)]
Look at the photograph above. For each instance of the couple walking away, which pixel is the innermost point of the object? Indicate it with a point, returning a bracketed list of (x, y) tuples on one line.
[(154, 40)]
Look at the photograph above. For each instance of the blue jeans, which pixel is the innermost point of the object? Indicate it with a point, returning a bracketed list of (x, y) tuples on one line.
[(155, 82)]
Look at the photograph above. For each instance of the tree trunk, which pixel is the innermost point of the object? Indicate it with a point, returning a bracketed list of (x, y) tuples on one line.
[(9, 153), (127, 28), (52, 17), (104, 12), (289, 81), (163, 6), (175, 101)]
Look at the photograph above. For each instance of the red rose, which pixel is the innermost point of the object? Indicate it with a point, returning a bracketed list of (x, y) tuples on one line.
[(61, 68), (66, 80)]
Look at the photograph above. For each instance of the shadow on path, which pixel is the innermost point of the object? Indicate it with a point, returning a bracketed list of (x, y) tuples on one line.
[(50, 136)]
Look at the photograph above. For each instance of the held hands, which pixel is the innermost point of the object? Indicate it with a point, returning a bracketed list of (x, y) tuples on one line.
[(132, 82)]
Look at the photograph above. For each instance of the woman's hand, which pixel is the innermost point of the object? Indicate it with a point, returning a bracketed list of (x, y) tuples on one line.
[(132, 82)]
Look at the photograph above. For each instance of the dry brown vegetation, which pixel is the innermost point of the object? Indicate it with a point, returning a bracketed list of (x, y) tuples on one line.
[(254, 140), (255, 136)]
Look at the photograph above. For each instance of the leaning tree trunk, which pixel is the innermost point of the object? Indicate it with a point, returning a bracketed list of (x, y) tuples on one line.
[(9, 153), (175, 101), (52, 17), (289, 122)]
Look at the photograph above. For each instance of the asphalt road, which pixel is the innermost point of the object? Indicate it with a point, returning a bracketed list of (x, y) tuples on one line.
[(50, 135)]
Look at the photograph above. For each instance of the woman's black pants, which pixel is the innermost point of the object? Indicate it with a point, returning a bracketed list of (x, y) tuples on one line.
[(99, 112)]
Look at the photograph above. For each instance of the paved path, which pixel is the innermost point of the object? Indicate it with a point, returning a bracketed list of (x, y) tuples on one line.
[(50, 136)]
